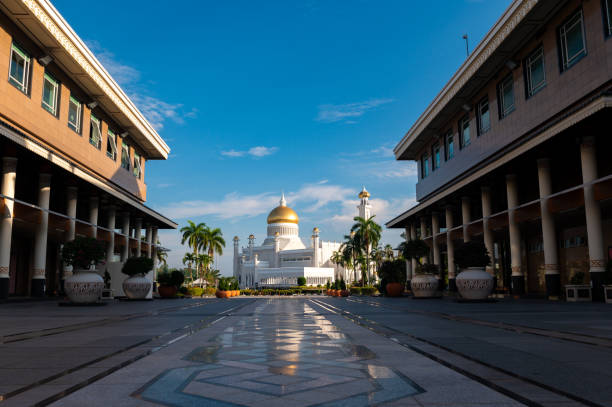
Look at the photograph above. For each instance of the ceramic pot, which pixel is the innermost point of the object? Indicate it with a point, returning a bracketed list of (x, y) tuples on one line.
[(167, 291), (219, 294), (425, 286), (474, 283), (84, 286), (394, 289), (136, 287), (345, 293)]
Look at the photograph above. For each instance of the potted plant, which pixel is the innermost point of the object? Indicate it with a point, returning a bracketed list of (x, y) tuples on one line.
[(301, 281), (223, 288), (343, 291), (83, 254), (607, 286), (169, 283), (392, 275), (473, 282), (576, 290), (425, 283), (137, 286), (107, 292), (328, 288)]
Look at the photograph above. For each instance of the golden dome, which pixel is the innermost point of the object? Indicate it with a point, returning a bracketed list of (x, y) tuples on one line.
[(283, 214), (364, 193)]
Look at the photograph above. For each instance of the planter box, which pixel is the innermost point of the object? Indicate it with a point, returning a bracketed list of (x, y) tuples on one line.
[(107, 294), (576, 293), (608, 293)]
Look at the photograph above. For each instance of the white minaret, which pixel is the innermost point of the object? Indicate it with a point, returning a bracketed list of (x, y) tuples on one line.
[(276, 250), (364, 205), (251, 245), (315, 247), (236, 257)]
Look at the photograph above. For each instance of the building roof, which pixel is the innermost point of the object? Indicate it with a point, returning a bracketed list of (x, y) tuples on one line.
[(518, 24), (48, 29)]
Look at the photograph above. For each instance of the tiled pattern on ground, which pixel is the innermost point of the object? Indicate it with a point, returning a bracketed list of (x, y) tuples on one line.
[(288, 359)]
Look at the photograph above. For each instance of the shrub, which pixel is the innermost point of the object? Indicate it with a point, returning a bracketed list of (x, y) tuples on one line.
[(174, 278), (135, 266), (301, 281), (195, 291), (342, 284), (83, 252), (356, 290), (415, 249), (393, 271), (210, 290), (183, 290), (472, 254)]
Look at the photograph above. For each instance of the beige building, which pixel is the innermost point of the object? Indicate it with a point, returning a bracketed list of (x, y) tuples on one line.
[(73, 152), (514, 150)]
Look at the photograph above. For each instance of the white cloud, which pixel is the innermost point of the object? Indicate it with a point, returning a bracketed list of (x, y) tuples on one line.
[(347, 112), (257, 152)]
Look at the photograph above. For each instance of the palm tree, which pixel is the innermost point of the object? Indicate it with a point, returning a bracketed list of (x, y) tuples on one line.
[(194, 235), (369, 233), (378, 255), (351, 249), (202, 262), (162, 255), (189, 259), (337, 259), (213, 242), (389, 254)]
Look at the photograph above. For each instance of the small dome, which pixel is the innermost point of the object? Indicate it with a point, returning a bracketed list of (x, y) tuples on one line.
[(251, 236), (364, 193), (283, 214)]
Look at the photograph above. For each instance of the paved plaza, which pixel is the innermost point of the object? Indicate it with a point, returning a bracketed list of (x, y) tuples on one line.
[(306, 351)]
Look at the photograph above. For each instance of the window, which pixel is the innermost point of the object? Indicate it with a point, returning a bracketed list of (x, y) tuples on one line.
[(74, 114), (137, 165), (111, 146), (95, 134), (464, 132), (50, 94), (125, 156), (19, 72), (506, 96), (534, 72), (607, 4), (435, 157), (450, 146), (483, 116), (424, 166), (571, 41)]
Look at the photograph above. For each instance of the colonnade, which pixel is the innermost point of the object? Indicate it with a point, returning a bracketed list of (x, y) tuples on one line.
[(551, 257), (38, 270)]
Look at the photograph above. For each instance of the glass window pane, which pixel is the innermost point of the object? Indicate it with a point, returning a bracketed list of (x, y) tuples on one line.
[(19, 69), (575, 41), (49, 99), (74, 115), (125, 156), (608, 4), (95, 136)]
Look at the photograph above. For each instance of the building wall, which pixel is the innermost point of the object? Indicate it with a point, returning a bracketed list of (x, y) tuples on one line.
[(26, 113), (561, 90)]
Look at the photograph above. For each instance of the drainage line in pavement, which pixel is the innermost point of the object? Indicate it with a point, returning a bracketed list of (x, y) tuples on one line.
[(549, 333), (355, 319), (114, 368)]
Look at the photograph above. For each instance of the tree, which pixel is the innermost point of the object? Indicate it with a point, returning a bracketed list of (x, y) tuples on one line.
[(369, 233), (337, 258), (388, 250), (189, 259), (202, 261), (351, 248), (162, 255), (194, 235), (213, 242)]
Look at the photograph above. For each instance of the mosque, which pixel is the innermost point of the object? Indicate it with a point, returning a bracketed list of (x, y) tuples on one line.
[(283, 257)]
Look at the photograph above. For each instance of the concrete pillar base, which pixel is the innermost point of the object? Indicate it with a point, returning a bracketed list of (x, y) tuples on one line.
[(597, 281), (553, 285), (452, 285), (518, 285), (4, 287), (38, 287)]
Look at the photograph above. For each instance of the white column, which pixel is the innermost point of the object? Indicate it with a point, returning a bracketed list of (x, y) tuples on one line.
[(137, 234), (71, 212), (409, 269), (592, 211), (435, 230), (148, 237), (466, 217), (423, 236), (413, 236), (154, 246), (485, 195), (549, 237), (110, 246), (450, 250), (94, 203), (125, 229), (40, 239), (315, 247), (236, 256), (518, 281), (9, 174)]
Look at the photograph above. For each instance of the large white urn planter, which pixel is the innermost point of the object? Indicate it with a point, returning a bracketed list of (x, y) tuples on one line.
[(136, 287), (424, 286), (474, 283), (84, 286)]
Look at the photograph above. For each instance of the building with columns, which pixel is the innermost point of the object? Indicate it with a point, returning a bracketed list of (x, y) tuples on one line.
[(73, 149), (513, 151), (283, 257)]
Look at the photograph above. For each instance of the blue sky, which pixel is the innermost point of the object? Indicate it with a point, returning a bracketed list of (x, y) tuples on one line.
[(255, 97)]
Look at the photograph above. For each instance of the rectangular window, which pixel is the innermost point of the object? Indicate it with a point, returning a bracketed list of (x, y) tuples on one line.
[(450, 146), (125, 156), (50, 94), (464, 132), (534, 72), (74, 114), (19, 72), (506, 96), (607, 4), (483, 116), (137, 165), (572, 41), (435, 157), (95, 133), (111, 145), (424, 166)]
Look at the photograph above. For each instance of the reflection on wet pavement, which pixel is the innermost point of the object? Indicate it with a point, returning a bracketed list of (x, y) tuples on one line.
[(285, 353)]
